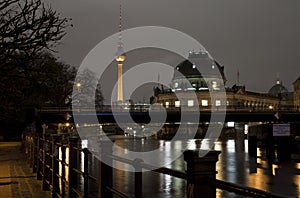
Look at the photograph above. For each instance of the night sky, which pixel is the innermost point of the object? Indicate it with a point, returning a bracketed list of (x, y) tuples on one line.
[(260, 39)]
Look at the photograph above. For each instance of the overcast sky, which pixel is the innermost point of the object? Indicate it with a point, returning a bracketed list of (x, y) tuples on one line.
[(261, 39)]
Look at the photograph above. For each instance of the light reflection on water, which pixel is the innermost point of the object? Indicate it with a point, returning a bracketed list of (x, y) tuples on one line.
[(234, 166)]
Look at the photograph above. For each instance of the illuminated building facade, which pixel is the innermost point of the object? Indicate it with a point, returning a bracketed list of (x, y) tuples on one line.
[(237, 97), (297, 94)]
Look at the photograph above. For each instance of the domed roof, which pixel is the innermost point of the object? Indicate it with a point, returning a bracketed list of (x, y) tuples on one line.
[(186, 68), (199, 62), (278, 89)]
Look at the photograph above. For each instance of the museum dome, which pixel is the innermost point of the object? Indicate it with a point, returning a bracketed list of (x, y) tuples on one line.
[(278, 89), (187, 68), (199, 64), (200, 70)]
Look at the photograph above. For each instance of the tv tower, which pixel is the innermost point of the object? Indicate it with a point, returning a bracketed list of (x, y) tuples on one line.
[(120, 58)]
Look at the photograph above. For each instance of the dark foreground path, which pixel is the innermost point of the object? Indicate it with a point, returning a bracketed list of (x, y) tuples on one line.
[(16, 178)]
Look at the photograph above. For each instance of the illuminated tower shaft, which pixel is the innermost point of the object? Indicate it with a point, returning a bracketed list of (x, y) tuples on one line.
[(120, 82), (120, 59)]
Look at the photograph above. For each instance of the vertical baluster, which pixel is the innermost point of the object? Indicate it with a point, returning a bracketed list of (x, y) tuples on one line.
[(44, 162), (138, 178), (46, 166), (39, 158), (86, 172), (35, 153), (30, 151), (105, 170), (55, 167), (63, 170), (73, 164)]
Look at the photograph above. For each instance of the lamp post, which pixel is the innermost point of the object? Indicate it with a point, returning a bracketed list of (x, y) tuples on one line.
[(78, 85)]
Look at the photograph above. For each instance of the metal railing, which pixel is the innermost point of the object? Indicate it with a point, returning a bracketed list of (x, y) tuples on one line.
[(173, 108), (56, 160)]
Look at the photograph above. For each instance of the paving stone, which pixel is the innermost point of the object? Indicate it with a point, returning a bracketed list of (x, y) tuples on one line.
[(16, 178)]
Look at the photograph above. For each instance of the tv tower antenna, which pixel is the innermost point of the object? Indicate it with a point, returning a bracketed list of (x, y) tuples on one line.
[(120, 58)]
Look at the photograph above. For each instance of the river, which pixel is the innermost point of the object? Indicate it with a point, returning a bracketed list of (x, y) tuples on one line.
[(234, 166)]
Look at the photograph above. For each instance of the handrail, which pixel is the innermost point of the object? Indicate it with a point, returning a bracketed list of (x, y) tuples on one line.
[(173, 108), (116, 192), (243, 190), (141, 164)]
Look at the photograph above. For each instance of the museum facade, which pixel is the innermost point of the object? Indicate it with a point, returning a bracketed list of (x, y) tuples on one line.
[(198, 80)]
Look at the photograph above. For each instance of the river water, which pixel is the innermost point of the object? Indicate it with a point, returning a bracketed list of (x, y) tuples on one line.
[(234, 166)]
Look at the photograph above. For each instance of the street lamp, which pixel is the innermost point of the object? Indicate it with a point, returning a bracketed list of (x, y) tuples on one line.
[(78, 85)]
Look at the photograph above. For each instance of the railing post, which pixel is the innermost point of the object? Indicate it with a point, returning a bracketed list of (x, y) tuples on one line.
[(31, 150), (86, 172), (199, 169), (252, 140), (138, 178), (39, 158), (63, 169), (105, 170), (47, 165), (55, 167), (27, 148), (44, 184), (73, 164), (35, 152)]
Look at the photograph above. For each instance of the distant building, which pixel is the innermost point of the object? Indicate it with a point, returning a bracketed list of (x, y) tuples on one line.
[(297, 94), (187, 80)]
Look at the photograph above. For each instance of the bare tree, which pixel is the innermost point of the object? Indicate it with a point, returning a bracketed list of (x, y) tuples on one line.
[(28, 30), (84, 87), (27, 27)]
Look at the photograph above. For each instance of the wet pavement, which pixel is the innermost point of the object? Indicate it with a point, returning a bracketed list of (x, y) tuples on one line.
[(16, 178)]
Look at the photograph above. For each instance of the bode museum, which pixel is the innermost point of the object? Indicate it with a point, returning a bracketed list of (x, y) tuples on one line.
[(188, 81)]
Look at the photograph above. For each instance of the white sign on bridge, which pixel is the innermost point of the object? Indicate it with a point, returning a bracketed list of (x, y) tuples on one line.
[(281, 130)]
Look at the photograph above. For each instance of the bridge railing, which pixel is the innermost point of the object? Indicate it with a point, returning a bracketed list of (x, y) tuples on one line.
[(172, 108), (57, 161)]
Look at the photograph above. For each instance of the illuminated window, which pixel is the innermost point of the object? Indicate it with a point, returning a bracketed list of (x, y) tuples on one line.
[(214, 85), (230, 124), (190, 103), (191, 88), (218, 103), (176, 84), (167, 104), (204, 103), (246, 129), (177, 103), (227, 103)]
